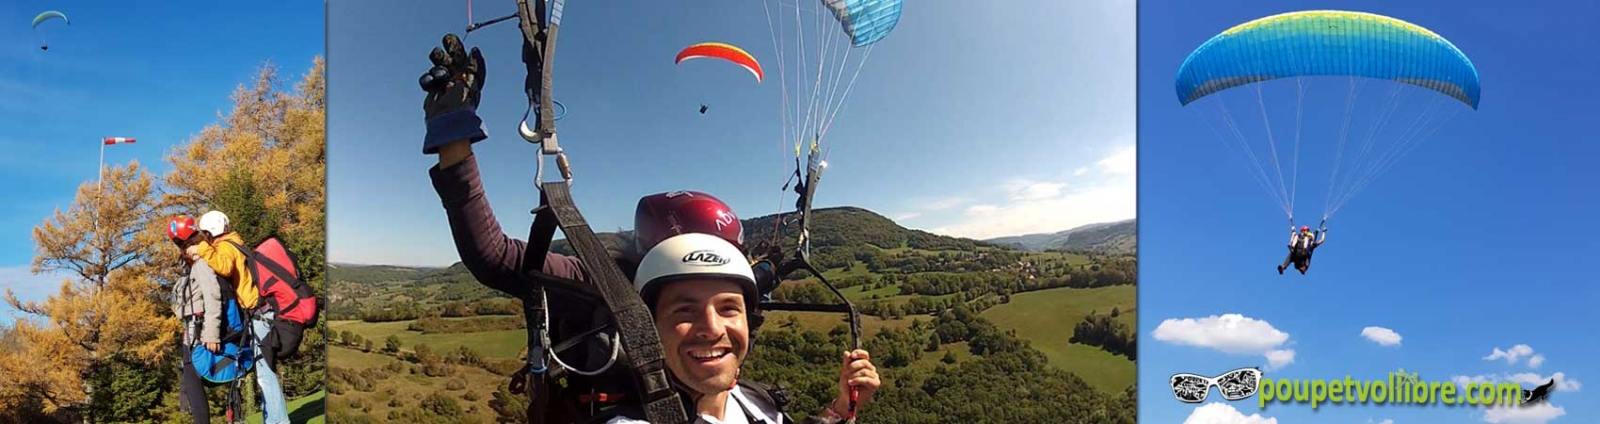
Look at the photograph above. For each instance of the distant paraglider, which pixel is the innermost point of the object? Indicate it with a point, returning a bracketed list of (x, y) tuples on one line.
[(47, 16), (727, 52), (722, 51)]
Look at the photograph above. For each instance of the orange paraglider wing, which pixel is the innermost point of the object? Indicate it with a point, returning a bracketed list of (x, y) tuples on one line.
[(722, 51)]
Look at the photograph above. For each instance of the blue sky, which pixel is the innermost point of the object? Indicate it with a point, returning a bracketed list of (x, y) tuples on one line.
[(156, 71), (975, 122), (1470, 244)]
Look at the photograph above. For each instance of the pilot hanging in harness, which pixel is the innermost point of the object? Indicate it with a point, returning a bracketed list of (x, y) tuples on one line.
[(1302, 244), (496, 260)]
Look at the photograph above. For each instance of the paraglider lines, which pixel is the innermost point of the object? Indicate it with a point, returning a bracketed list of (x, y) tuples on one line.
[(1344, 131), (1299, 109), (1272, 144), (846, 95), (1253, 167)]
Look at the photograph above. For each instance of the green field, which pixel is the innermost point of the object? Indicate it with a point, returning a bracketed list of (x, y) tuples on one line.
[(822, 321), (1046, 318), (858, 293), (406, 389), (307, 410), (489, 344)]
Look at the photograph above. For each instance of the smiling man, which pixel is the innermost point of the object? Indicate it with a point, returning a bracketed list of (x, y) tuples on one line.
[(700, 289)]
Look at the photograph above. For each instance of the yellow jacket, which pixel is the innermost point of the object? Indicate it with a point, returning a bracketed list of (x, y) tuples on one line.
[(229, 263)]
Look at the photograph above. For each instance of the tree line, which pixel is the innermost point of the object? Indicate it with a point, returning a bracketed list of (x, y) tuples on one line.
[(1107, 333), (1004, 370)]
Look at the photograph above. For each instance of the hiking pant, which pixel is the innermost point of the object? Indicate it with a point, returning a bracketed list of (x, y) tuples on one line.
[(274, 409), (1296, 256), (193, 390), (1300, 258)]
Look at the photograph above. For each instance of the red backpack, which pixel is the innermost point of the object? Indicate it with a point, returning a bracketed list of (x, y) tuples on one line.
[(278, 280)]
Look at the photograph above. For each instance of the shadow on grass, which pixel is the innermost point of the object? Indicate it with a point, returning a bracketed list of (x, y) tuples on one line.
[(313, 409)]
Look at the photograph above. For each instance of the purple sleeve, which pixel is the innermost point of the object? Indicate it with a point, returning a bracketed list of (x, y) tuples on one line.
[(494, 258)]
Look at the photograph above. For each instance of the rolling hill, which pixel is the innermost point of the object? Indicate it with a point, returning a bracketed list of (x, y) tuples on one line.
[(1112, 238), (942, 314)]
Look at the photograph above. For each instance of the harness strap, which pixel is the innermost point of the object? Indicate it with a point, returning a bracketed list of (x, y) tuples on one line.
[(540, 236), (279, 273), (634, 322)]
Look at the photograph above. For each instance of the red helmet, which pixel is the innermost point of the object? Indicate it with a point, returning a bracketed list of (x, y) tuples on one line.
[(1305, 228), (181, 228), (663, 215)]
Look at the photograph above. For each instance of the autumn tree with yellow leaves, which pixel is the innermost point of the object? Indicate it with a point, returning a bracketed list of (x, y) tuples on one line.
[(103, 349), (109, 315)]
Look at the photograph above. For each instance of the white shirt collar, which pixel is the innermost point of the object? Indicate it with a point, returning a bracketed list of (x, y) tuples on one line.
[(734, 411)]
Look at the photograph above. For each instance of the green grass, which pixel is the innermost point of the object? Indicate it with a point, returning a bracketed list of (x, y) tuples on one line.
[(489, 344), (1046, 318), (1129, 316), (356, 359), (932, 360), (311, 409), (1075, 260), (857, 269), (858, 294), (824, 321)]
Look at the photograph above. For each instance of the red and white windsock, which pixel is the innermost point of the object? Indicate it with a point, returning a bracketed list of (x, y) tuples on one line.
[(118, 140)]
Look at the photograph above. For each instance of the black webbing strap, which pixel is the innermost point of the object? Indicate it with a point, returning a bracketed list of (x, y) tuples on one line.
[(279, 275), (539, 238), (540, 22), (634, 322)]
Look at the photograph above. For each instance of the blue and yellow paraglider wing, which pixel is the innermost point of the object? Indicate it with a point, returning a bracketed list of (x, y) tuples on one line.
[(1313, 43), (865, 21), (48, 16)]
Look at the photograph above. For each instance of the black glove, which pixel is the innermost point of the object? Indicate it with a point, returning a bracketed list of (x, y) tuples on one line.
[(454, 86)]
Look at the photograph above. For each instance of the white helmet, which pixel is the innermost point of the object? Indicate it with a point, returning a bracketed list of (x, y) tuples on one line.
[(214, 223), (692, 255)]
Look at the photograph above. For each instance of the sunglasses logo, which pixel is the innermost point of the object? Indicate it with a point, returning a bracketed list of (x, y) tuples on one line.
[(1235, 385)]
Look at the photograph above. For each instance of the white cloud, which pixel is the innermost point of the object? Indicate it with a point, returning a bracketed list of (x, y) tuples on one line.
[(925, 205), (1222, 413), (982, 210), (1027, 191), (1278, 359), (1528, 380), (1045, 206), (1535, 361), (1562, 382), (1125, 161), (1074, 207), (1385, 421), (943, 204), (1511, 355), (1381, 336), (1539, 413), (1463, 381), (1229, 333)]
